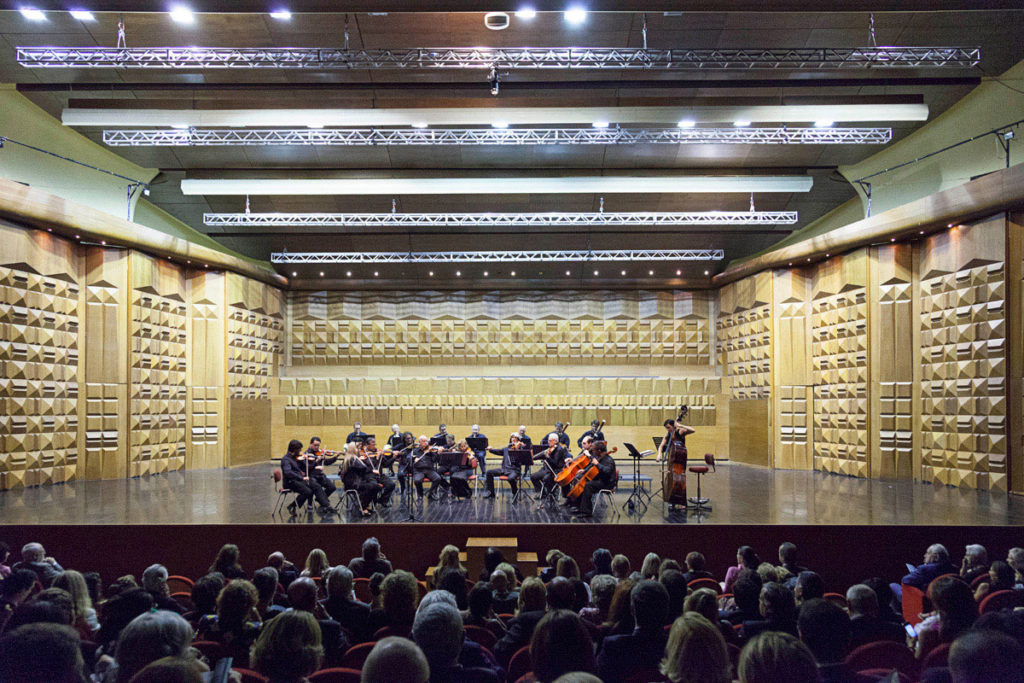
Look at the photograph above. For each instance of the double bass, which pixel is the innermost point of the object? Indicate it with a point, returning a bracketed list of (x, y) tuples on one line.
[(586, 475), (673, 489)]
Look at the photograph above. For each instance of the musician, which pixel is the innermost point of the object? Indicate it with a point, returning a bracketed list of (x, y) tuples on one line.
[(397, 439), (507, 469), (294, 478), (441, 438), (355, 476), (605, 478), (317, 465), (675, 432), (550, 463), (422, 464), (586, 444), (374, 460), (563, 438), (594, 433), (463, 471), (523, 438), (480, 453), (357, 434), (402, 457)]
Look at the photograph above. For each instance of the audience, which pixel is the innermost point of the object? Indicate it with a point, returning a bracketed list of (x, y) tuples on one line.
[(936, 563), (615, 624), (5, 553), (550, 561), (1015, 558)]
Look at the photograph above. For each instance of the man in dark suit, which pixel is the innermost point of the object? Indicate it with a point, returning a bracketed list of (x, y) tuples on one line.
[(302, 597), (549, 463), (563, 438), (865, 624), (605, 478), (825, 629), (936, 563), (294, 477), (357, 434), (532, 598), (354, 616), (507, 469), (696, 567), (480, 453), (523, 438), (642, 650)]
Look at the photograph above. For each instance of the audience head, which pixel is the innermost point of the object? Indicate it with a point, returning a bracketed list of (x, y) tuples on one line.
[(493, 557), (41, 611), (1000, 576), (986, 657), (651, 565), (449, 558), (567, 568), (975, 555), (316, 562), (480, 600), (954, 601), (510, 573), (881, 588), (453, 582), (18, 586), (499, 582), (620, 612), (578, 677), (776, 657), (438, 631), (339, 582), (936, 553), (74, 583), (41, 652), (767, 572), (825, 629), (205, 591), (787, 553), (154, 579), (777, 602), (434, 597), (695, 562), (236, 603), (371, 549), (265, 580), (602, 560), (149, 637), (746, 591), (1015, 558), (862, 601), (620, 566), (288, 647), (649, 603), (227, 558), (746, 557), (704, 602), (171, 670), (276, 560), (62, 600), (532, 595), (120, 610), (560, 593), (602, 588), (809, 586), (395, 660), (121, 584), (696, 652), (33, 552), (399, 595), (302, 594), (668, 565), (561, 644), (580, 595), (94, 584)]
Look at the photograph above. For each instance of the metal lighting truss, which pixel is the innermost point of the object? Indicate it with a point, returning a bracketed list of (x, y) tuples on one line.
[(202, 137), (828, 58), (483, 220), (496, 256)]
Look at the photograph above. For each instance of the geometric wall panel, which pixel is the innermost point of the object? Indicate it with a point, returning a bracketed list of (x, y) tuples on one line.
[(254, 341), (745, 338)]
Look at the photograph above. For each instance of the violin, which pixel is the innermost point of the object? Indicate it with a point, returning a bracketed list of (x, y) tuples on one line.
[(586, 475), (368, 456)]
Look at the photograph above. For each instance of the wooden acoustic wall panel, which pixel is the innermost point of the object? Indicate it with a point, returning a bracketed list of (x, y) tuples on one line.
[(500, 328), (892, 361), (39, 359), (158, 363), (964, 356), (744, 329), (255, 336), (791, 369), (205, 393), (839, 329)]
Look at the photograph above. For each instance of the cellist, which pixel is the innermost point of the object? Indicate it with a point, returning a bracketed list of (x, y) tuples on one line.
[(586, 443), (604, 479)]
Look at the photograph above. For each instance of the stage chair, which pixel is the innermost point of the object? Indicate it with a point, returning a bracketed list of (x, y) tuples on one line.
[(705, 583), (356, 655), (337, 674), (519, 665), (883, 655), (183, 584), (183, 599), (481, 636), (993, 602), (282, 492), (915, 602), (837, 599), (709, 462)]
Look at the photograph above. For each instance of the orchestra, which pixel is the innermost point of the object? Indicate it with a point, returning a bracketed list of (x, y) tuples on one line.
[(374, 474)]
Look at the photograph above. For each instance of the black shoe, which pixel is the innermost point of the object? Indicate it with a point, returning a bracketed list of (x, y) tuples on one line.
[(490, 494), (327, 510), (431, 496), (292, 510)]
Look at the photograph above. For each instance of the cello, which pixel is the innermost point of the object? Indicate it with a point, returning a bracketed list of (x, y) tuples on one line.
[(587, 474), (569, 472), (673, 489)]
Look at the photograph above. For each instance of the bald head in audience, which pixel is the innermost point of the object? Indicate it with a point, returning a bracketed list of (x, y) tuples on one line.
[(395, 660)]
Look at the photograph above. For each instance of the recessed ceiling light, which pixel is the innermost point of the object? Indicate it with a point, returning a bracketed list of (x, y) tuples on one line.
[(485, 273), (321, 273), (82, 15), (294, 274), (568, 272), (600, 124), (375, 273), (687, 123), (741, 123), (650, 272), (103, 242), (281, 14), (623, 272), (419, 124), (182, 15), (513, 273), (595, 272), (348, 273), (576, 15), (707, 272), (824, 123), (499, 124), (526, 13), (33, 14), (431, 273), (458, 273), (679, 272)]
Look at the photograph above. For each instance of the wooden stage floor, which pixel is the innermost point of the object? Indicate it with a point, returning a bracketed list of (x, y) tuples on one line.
[(740, 494)]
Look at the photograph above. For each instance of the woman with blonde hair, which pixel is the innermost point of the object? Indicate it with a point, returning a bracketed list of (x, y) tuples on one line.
[(289, 648), (316, 564), (567, 567), (448, 561), (696, 652), (355, 477), (226, 562), (649, 569), (85, 621)]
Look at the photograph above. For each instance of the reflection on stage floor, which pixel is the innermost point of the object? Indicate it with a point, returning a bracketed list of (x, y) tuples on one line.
[(739, 494)]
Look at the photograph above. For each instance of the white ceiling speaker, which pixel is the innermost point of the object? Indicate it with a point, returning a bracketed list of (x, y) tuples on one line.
[(496, 21)]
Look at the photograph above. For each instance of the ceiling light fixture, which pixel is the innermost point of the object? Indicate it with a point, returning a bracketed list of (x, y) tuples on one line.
[(575, 15), (598, 134), (500, 125), (485, 273), (481, 220), (513, 273), (595, 272), (650, 272), (741, 123), (82, 15), (526, 13), (686, 123), (623, 272), (568, 273), (824, 123), (497, 256), (376, 273), (182, 15), (281, 15), (348, 273), (458, 273), (679, 272), (33, 14), (504, 58), (391, 187)]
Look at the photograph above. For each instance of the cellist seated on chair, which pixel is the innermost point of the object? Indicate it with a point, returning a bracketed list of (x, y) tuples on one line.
[(603, 479)]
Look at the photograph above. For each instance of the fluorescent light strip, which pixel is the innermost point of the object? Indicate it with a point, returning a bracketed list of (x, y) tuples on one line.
[(498, 256), (823, 58), (477, 186), (206, 137), (454, 117), (482, 220)]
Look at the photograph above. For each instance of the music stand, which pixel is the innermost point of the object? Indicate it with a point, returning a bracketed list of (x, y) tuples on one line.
[(440, 440), (479, 446), (636, 498), (520, 458), (448, 461)]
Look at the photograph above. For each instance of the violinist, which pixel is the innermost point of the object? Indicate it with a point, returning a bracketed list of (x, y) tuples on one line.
[(550, 463), (605, 478), (675, 433), (402, 457), (321, 458), (507, 469), (374, 460), (422, 465), (463, 471), (355, 477), (295, 478), (397, 439), (525, 440), (563, 438)]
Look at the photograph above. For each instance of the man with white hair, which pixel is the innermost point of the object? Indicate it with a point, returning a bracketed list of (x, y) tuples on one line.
[(1015, 558), (975, 562), (936, 563), (439, 633), (33, 556), (397, 440), (526, 441), (480, 453), (154, 582), (865, 624), (395, 660)]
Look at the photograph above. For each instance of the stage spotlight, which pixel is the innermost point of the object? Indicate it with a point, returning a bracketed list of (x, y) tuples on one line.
[(33, 14), (513, 273), (707, 272), (294, 274), (281, 14), (824, 123), (485, 273), (679, 272), (431, 273), (575, 15), (567, 273), (687, 123), (458, 273), (348, 273), (82, 15), (650, 272), (500, 124), (321, 273), (741, 123), (595, 272), (419, 124), (182, 15), (600, 124), (526, 13), (375, 273), (623, 272)]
